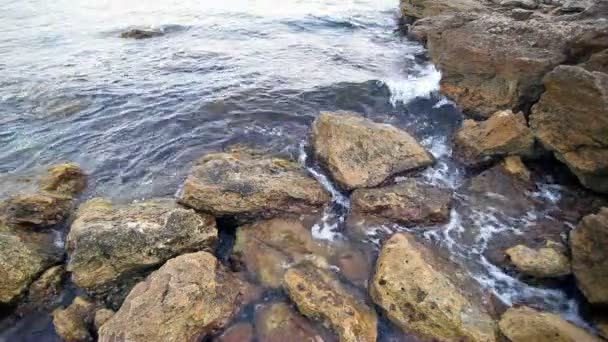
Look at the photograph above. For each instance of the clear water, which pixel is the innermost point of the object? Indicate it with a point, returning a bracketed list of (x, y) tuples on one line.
[(136, 113)]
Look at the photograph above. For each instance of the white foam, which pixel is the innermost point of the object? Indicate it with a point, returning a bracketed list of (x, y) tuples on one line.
[(420, 84), (444, 102)]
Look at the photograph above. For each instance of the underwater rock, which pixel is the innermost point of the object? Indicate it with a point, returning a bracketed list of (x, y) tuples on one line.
[(110, 243), (73, 323), (426, 297), (361, 153), (189, 298), (546, 262), (277, 322), (136, 33), (101, 317), (65, 179), (250, 185), (240, 332)]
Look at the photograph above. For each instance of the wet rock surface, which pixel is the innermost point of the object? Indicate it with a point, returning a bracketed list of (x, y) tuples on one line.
[(110, 243), (417, 294), (190, 297), (589, 256), (320, 296), (136, 33), (250, 185), (277, 322), (408, 202), (240, 332), (546, 262), (528, 325), (74, 322), (361, 153)]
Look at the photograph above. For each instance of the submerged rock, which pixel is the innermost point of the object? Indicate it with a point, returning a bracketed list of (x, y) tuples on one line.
[(250, 185), (528, 325), (547, 262), (277, 322), (419, 295), (101, 317), (45, 290), (319, 295), (571, 119), (141, 34), (74, 322), (590, 257), (240, 332), (361, 153), (65, 179), (189, 298), (408, 202), (107, 244), (503, 134)]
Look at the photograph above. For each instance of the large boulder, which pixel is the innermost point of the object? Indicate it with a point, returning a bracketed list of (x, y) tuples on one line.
[(74, 323), (546, 262), (277, 322), (503, 134), (528, 325), (590, 257), (571, 119), (189, 298), (361, 153), (424, 297), (428, 8), (246, 184), (407, 202), (110, 243), (319, 295)]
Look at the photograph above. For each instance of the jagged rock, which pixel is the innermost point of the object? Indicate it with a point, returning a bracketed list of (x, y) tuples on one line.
[(528, 325), (571, 119), (514, 166), (319, 295), (107, 244), (101, 317), (141, 34), (503, 134), (547, 262), (526, 4), (189, 298), (590, 258), (247, 184), (240, 332), (408, 202), (65, 179), (277, 322), (361, 153), (428, 8), (73, 323), (419, 296)]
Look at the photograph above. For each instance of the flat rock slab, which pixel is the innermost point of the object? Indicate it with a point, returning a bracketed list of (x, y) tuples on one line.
[(250, 185), (360, 153), (546, 262)]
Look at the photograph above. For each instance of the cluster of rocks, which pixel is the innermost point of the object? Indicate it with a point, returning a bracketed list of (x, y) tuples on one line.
[(547, 59)]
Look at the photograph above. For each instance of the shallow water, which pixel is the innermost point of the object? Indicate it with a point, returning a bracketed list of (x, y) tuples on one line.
[(135, 114)]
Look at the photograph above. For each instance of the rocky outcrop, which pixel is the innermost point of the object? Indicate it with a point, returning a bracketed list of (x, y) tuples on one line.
[(423, 297), (319, 295), (528, 325), (547, 262), (571, 119), (590, 257), (249, 185), (361, 153), (189, 298), (503, 134), (277, 322), (109, 243), (74, 322), (428, 8), (408, 202), (141, 34), (65, 179)]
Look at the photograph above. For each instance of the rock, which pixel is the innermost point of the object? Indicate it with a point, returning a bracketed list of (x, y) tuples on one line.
[(356, 266), (527, 325), (574, 6), (39, 210), (361, 153), (417, 295), (601, 324), (526, 4), (251, 185), (540, 263), (240, 332), (277, 322), (108, 244), (503, 134), (141, 34), (571, 119), (189, 298), (319, 295), (590, 258), (514, 166), (65, 179), (47, 287), (597, 62), (72, 324), (428, 8), (521, 14), (101, 317), (408, 202)]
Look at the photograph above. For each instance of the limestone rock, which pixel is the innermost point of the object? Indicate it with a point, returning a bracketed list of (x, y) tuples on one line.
[(101, 317), (361, 153), (247, 184), (417, 295), (40, 210), (428, 8), (73, 323), (514, 166), (544, 262), (408, 202), (526, 4), (65, 179), (48, 286), (590, 258), (277, 322), (240, 332), (136, 33), (571, 119), (189, 298), (319, 295), (503, 134), (108, 243), (527, 325)]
